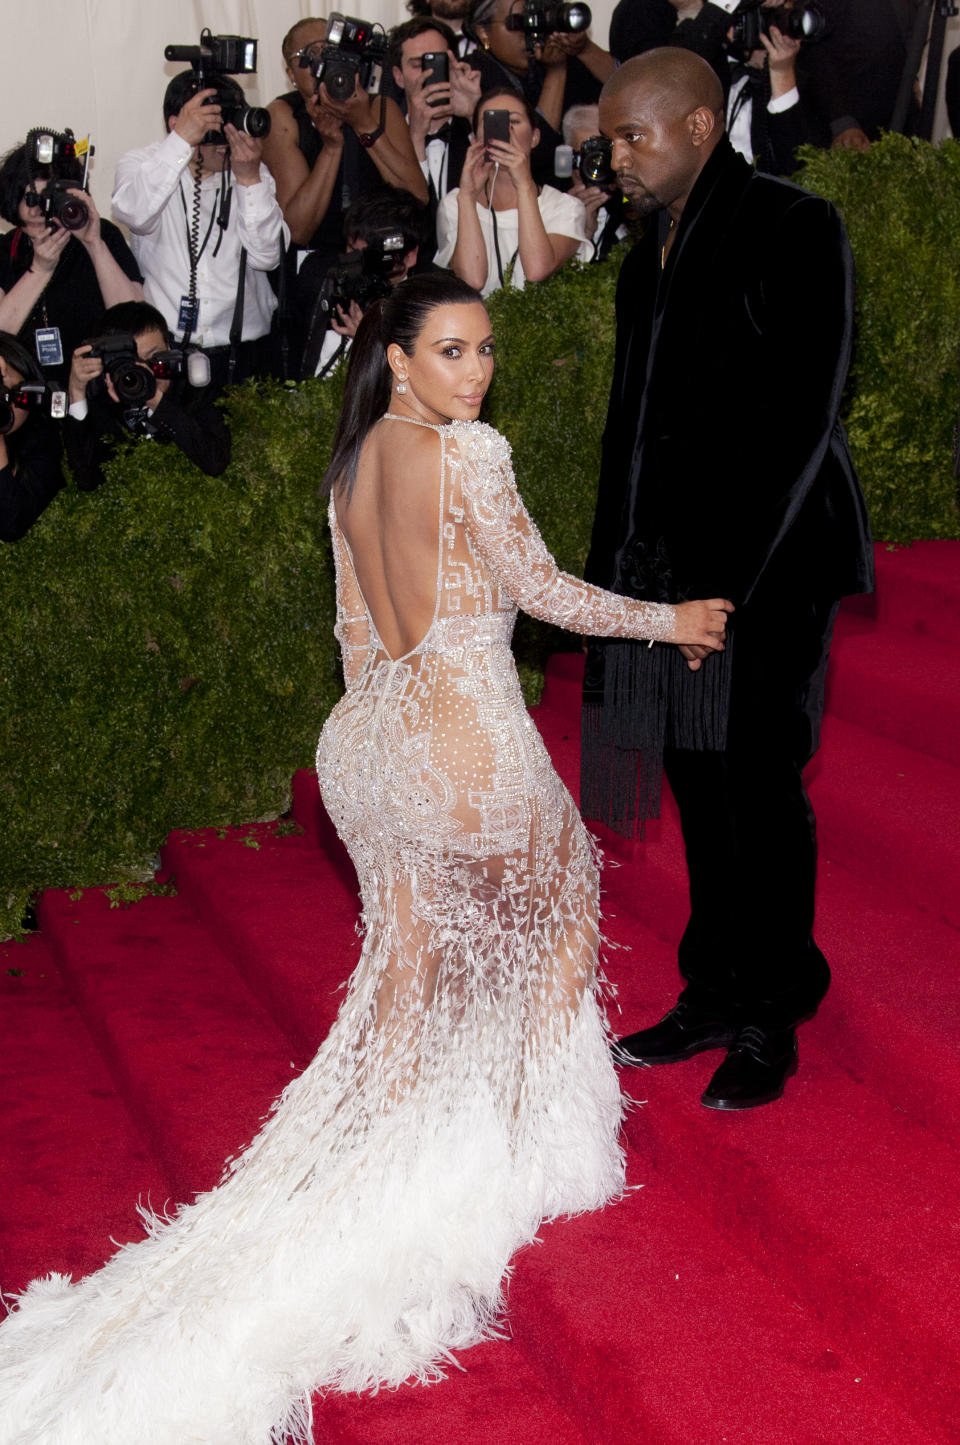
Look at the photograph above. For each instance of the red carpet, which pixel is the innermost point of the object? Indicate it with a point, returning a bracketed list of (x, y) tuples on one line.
[(783, 1277)]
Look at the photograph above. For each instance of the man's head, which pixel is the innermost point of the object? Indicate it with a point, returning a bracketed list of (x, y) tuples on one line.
[(411, 41), (453, 11), (149, 331), (184, 87), (579, 123), (371, 217), (663, 112)]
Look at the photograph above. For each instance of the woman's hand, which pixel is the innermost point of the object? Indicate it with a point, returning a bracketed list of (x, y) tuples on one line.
[(476, 171), (358, 110), (47, 249), (514, 160), (89, 233), (700, 628)]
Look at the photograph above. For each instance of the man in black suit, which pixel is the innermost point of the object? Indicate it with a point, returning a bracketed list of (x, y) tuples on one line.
[(850, 79), (725, 472)]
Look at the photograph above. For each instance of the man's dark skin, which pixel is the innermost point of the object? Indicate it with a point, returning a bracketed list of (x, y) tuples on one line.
[(736, 301)]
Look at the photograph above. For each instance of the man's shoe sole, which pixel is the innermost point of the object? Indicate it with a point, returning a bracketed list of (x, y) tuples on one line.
[(719, 1041), (755, 1102)]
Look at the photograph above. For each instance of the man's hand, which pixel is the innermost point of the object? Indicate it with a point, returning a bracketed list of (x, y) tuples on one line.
[(83, 369), (851, 139), (196, 117), (345, 323), (592, 198), (701, 628), (428, 106), (781, 57), (464, 87), (245, 154)]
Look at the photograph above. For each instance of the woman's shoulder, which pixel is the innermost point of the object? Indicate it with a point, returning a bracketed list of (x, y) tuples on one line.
[(478, 442)]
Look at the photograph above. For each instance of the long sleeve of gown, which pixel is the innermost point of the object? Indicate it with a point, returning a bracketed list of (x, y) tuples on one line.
[(352, 627), (506, 538)]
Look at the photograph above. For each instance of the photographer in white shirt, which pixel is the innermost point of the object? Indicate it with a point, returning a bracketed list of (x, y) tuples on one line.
[(187, 201)]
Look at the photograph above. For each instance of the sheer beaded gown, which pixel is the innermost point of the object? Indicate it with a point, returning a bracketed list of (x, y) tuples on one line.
[(465, 1092)]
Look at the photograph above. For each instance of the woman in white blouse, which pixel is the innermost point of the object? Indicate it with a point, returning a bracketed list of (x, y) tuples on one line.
[(497, 217)]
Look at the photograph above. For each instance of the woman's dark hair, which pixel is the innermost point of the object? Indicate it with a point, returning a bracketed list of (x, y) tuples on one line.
[(400, 318), (15, 354), (514, 94), (17, 173)]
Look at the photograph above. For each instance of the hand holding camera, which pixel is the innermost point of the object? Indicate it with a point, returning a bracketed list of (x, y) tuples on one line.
[(358, 110), (245, 153), (47, 248), (200, 114), (84, 368)]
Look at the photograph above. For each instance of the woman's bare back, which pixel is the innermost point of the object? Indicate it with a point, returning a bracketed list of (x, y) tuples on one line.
[(391, 524)]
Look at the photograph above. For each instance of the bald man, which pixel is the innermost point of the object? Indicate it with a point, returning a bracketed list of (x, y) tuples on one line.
[(725, 473)]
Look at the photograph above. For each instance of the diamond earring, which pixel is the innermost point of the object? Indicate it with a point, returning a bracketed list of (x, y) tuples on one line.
[(402, 386)]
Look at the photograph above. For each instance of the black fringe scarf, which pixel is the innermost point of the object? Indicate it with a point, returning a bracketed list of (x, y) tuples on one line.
[(638, 700)]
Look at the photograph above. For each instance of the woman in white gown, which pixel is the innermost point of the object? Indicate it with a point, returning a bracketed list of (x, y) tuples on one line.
[(465, 1092)]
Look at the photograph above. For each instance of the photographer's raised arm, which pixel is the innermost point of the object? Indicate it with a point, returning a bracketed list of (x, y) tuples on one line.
[(142, 189), (391, 148), (304, 192), (540, 253), (17, 304), (469, 259), (260, 223)]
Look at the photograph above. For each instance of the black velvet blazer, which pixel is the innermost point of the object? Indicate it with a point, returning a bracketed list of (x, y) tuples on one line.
[(725, 464)]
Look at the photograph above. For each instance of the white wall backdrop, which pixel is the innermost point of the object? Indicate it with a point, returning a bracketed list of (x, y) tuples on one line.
[(98, 67)]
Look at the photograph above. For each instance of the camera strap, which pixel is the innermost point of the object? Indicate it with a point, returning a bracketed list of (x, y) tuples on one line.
[(236, 325)]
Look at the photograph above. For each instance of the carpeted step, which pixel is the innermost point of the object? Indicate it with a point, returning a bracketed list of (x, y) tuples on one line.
[(918, 589), (653, 1326), (193, 1054), (903, 685), (73, 1163), (282, 912)]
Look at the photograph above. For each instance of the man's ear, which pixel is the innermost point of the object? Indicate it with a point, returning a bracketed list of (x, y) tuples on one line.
[(398, 78), (702, 122), (534, 140), (171, 122)]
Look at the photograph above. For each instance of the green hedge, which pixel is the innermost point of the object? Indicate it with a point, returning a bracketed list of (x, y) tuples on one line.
[(166, 655)]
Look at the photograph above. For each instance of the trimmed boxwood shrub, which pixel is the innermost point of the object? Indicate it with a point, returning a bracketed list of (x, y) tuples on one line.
[(166, 648)]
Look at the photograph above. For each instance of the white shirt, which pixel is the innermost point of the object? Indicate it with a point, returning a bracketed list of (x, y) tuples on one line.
[(740, 132), (562, 215), (153, 197)]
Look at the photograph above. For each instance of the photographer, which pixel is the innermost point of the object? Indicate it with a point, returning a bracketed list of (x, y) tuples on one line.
[(390, 230), (52, 280), (30, 472), (453, 14), (604, 203), (163, 409), (764, 117), (499, 217), (438, 113), (323, 154), (850, 79), (206, 246), (564, 70)]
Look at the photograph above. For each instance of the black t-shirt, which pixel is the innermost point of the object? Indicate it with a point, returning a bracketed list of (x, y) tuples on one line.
[(72, 299), (31, 478), (357, 176)]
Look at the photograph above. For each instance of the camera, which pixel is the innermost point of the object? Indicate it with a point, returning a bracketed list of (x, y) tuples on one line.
[(540, 18), (57, 205), (364, 276), (219, 55), (803, 22), (592, 162), (353, 50), (30, 396), (135, 380)]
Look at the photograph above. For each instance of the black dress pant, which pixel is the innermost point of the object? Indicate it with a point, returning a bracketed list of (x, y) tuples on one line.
[(749, 829)]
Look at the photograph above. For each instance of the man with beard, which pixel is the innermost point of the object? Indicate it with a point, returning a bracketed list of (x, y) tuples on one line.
[(725, 472), (452, 13)]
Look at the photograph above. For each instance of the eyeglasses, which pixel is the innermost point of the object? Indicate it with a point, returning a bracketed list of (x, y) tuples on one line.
[(311, 51)]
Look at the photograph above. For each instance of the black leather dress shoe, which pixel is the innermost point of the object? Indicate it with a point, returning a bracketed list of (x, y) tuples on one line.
[(754, 1071), (683, 1032)]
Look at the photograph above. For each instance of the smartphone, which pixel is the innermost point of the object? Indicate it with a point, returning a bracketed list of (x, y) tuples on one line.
[(496, 126), (435, 68)]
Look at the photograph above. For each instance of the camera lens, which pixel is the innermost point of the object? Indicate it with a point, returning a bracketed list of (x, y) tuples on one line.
[(134, 384), (255, 121), (72, 213)]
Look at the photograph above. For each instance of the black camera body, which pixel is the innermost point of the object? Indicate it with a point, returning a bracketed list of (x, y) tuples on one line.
[(30, 396), (805, 22), (364, 276), (135, 380), (216, 56), (540, 18), (594, 161), (58, 206), (354, 50)]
